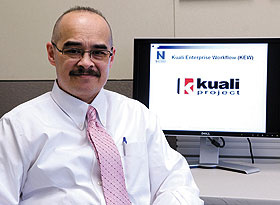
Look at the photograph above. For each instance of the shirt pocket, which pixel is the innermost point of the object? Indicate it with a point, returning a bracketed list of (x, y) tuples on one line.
[(137, 149), (136, 169)]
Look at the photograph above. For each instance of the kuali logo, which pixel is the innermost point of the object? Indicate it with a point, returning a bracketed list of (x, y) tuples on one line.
[(198, 86), (188, 85)]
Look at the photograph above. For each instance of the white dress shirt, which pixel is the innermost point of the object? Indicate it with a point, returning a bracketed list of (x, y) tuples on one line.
[(46, 158)]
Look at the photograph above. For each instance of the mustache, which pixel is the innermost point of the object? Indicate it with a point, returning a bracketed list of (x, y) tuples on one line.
[(83, 71)]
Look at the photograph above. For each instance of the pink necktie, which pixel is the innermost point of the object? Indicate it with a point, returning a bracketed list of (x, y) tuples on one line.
[(112, 175)]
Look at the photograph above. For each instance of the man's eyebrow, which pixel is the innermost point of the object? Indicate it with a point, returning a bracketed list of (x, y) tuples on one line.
[(75, 43), (71, 43), (100, 46)]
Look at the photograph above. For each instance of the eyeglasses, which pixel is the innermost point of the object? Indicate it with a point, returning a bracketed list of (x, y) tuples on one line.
[(76, 53)]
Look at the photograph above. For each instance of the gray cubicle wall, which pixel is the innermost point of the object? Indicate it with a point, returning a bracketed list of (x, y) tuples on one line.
[(14, 93)]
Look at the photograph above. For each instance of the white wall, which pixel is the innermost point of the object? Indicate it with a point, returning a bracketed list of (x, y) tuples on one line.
[(26, 26)]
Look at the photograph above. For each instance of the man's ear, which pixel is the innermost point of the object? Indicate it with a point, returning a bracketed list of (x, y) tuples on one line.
[(112, 57), (50, 53)]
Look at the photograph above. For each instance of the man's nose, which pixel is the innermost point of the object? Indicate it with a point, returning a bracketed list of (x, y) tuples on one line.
[(86, 61)]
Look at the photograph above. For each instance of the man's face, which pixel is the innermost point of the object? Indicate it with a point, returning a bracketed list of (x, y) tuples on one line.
[(86, 31)]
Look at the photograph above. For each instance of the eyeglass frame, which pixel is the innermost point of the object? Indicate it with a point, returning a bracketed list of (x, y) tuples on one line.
[(110, 52)]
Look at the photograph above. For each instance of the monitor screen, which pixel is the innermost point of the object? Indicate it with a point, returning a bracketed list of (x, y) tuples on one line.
[(210, 87)]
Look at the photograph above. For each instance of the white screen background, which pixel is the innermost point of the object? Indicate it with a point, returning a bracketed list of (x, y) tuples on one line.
[(245, 112)]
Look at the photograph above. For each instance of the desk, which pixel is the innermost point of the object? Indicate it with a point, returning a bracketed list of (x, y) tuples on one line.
[(219, 187)]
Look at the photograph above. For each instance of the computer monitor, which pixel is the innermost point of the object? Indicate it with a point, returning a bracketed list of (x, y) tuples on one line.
[(210, 87)]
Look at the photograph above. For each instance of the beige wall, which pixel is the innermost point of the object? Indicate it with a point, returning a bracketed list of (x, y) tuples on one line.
[(227, 18), (26, 26)]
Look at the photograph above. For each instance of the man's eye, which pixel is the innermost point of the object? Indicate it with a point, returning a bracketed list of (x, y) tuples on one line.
[(99, 53), (73, 51)]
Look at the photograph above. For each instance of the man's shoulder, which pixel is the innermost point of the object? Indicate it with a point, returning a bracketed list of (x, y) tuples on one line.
[(122, 105), (28, 107), (118, 99)]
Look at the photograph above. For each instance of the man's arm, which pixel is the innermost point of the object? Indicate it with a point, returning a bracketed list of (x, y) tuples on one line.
[(11, 163), (171, 178)]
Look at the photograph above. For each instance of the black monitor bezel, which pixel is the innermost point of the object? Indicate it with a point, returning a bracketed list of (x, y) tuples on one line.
[(141, 80)]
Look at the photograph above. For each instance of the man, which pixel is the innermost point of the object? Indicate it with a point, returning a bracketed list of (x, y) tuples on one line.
[(48, 151)]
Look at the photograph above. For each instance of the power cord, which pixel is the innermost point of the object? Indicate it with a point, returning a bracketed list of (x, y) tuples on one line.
[(251, 150), (216, 143)]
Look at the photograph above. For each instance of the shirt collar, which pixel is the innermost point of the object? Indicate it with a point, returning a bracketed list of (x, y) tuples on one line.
[(100, 103), (76, 109)]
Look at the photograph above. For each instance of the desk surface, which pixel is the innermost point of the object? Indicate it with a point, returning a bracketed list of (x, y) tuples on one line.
[(226, 187)]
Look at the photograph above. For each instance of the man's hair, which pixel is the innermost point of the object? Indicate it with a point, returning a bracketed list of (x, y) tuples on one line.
[(56, 34)]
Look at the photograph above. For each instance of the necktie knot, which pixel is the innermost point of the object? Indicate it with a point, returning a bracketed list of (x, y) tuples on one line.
[(91, 114)]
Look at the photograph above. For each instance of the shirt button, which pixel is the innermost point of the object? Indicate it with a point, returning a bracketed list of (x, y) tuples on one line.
[(99, 183)]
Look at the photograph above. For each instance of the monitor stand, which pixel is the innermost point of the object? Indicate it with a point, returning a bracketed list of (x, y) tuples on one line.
[(209, 158)]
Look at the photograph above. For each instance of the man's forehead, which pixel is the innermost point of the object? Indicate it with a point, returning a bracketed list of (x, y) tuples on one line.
[(83, 25), (81, 20)]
